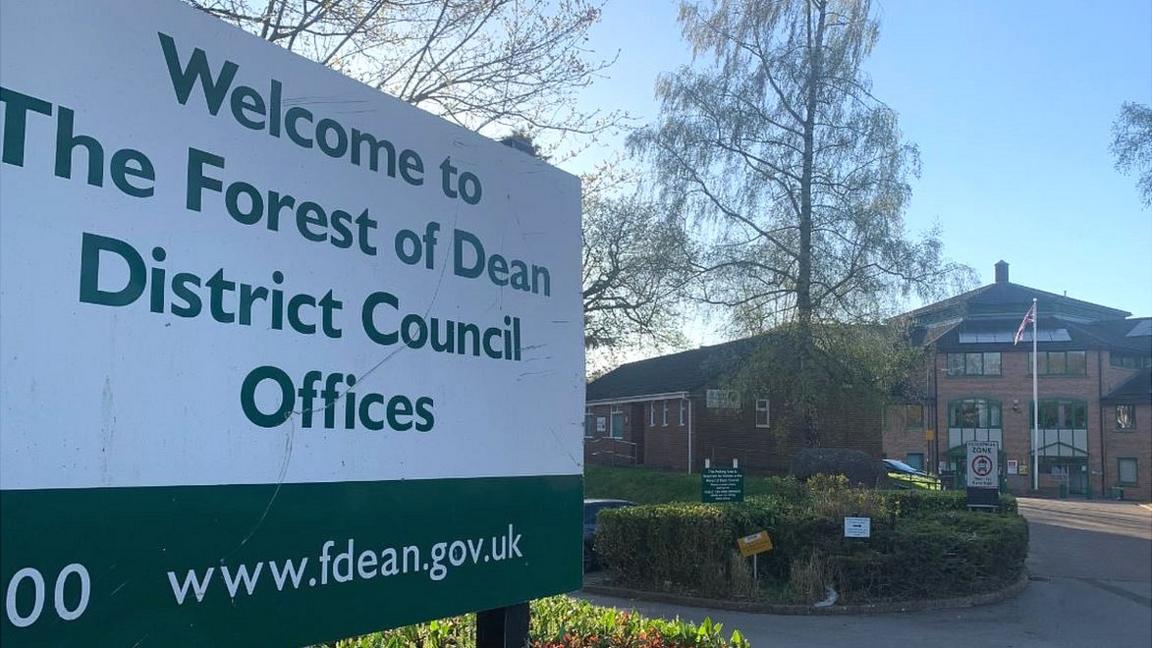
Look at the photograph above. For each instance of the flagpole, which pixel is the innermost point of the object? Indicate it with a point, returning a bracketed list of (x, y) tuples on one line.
[(1035, 406)]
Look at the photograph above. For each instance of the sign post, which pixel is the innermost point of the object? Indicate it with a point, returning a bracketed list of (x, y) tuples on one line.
[(261, 326), (983, 474)]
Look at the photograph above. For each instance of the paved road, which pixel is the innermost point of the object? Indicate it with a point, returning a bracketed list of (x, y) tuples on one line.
[(1092, 568)]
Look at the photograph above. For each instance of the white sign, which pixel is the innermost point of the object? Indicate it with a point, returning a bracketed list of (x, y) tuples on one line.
[(1013, 466), (254, 310), (983, 464), (857, 527)]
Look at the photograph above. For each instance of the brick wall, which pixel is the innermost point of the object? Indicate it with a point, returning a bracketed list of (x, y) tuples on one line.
[(1136, 444)]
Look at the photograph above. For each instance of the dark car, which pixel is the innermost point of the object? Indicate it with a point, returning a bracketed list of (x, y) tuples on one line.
[(592, 508)]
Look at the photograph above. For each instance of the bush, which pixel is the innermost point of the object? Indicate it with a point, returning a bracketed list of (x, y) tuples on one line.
[(858, 467), (916, 502), (647, 486), (562, 622), (923, 544)]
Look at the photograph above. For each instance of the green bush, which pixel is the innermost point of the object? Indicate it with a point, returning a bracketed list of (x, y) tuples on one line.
[(647, 486), (923, 544), (562, 622)]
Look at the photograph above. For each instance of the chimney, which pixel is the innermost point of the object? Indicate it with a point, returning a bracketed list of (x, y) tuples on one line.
[(1001, 271)]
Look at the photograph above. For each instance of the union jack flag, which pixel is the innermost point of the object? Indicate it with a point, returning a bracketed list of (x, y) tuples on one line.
[(1029, 318)]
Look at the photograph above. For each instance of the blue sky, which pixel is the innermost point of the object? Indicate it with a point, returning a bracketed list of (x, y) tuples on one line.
[(1011, 104)]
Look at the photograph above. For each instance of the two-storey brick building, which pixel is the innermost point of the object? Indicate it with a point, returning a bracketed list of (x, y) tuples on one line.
[(1092, 363)]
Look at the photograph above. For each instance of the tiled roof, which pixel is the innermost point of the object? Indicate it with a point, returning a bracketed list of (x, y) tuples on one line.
[(999, 297), (684, 371), (1137, 389)]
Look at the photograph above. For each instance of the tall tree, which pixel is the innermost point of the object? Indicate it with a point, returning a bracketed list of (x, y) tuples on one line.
[(488, 65), (1132, 145), (796, 175)]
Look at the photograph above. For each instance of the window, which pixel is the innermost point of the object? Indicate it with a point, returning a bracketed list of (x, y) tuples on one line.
[(1060, 363), (722, 399), (1063, 414), (974, 413), (683, 411), (913, 417), (1125, 417), (1126, 471), (617, 422), (1129, 360), (974, 364), (664, 418), (915, 459), (652, 414), (589, 424), (762, 413)]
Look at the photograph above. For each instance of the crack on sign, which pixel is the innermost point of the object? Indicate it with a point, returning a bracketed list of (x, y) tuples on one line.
[(289, 443)]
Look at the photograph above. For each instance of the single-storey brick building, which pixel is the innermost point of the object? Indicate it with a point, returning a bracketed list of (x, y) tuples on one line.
[(675, 411)]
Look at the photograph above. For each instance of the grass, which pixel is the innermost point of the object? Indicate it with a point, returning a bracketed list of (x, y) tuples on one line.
[(647, 486)]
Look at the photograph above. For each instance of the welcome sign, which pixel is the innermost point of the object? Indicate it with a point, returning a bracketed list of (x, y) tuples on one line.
[(282, 359)]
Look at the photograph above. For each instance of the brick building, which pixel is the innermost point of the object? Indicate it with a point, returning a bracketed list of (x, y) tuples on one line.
[(1093, 372), (675, 411)]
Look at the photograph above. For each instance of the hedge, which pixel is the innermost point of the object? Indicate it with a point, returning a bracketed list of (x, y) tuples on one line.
[(562, 622), (923, 544)]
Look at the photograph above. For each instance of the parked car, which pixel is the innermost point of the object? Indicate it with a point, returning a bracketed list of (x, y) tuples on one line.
[(901, 475), (592, 508)]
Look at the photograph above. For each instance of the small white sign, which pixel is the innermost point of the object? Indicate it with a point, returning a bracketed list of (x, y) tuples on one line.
[(1013, 467), (857, 527)]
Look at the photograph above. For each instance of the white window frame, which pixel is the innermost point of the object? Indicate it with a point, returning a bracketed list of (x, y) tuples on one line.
[(664, 416), (616, 409), (652, 413), (767, 409), (683, 411), (589, 430)]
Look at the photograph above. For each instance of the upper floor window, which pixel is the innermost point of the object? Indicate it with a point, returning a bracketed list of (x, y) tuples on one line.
[(1129, 360), (974, 364), (1125, 417), (913, 417), (762, 413), (1060, 363), (1063, 414), (722, 399), (974, 413)]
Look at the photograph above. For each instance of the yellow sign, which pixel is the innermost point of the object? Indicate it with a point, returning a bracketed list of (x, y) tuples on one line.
[(929, 434), (751, 545)]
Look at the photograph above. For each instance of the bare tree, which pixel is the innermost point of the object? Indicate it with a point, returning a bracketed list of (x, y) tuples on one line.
[(1132, 145), (635, 269), (488, 65), (798, 174), (794, 173)]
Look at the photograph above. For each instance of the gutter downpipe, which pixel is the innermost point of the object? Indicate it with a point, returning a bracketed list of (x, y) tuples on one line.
[(689, 434), (1100, 411)]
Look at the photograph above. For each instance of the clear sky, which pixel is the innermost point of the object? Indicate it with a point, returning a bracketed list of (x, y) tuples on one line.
[(1011, 104)]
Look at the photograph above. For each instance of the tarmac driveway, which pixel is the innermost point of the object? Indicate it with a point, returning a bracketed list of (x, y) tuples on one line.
[(1091, 564)]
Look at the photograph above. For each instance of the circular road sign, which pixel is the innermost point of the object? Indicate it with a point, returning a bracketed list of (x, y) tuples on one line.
[(982, 466)]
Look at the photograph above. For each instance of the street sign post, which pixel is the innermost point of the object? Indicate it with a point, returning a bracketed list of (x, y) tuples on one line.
[(265, 332), (983, 473)]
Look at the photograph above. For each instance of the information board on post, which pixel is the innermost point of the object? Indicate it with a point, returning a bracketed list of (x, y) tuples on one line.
[(265, 332), (718, 485), (983, 473)]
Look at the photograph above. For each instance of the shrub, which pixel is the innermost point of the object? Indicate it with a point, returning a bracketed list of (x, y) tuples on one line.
[(858, 467), (932, 548), (562, 622)]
